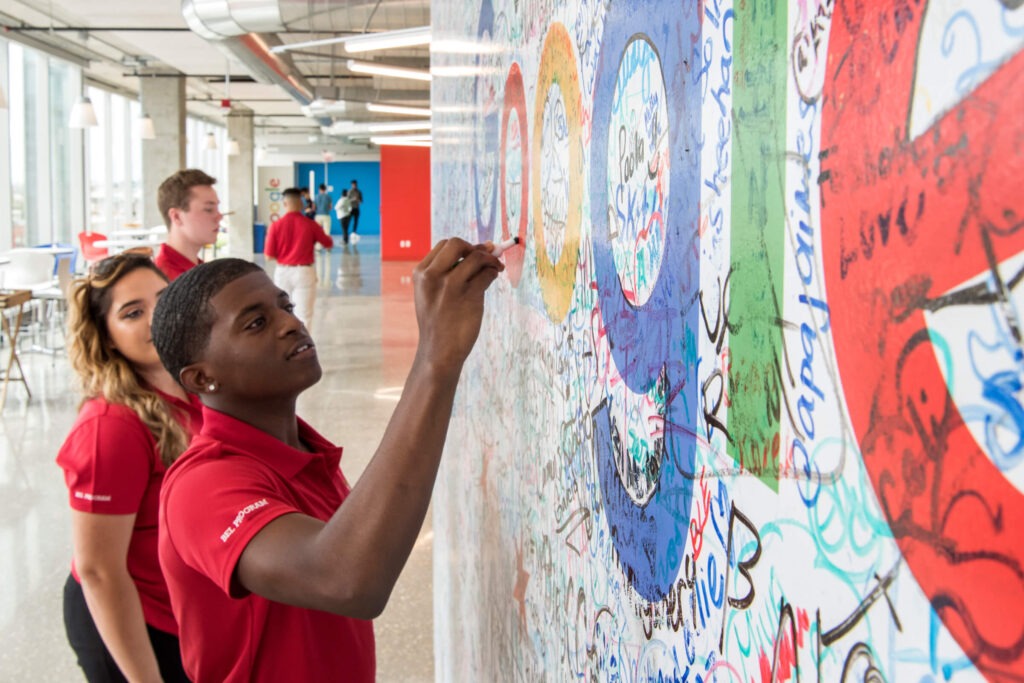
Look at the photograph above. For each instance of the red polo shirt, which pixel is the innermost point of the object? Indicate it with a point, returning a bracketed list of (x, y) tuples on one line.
[(292, 238), (112, 467), (233, 481), (172, 262)]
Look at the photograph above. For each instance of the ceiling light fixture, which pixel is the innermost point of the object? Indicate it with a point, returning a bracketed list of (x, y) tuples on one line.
[(388, 126), (211, 141), (387, 40), (396, 109), (375, 69), (402, 140), (144, 129), (233, 148), (82, 114)]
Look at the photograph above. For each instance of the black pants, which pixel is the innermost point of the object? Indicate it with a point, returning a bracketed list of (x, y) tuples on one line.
[(94, 658), (355, 218), (344, 226)]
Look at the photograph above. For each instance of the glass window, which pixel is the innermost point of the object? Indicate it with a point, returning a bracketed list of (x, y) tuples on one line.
[(45, 153), (100, 213), (62, 98), (120, 181), (135, 167), (19, 181)]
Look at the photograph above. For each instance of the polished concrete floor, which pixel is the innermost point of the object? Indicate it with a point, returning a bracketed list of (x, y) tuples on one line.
[(365, 331)]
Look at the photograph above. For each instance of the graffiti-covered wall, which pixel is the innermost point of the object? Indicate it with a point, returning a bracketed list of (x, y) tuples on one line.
[(747, 403)]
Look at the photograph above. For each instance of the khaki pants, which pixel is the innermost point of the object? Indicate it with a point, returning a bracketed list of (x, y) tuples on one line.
[(324, 219), (300, 283)]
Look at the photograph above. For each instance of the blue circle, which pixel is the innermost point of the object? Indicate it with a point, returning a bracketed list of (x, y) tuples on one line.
[(656, 341), (487, 131)]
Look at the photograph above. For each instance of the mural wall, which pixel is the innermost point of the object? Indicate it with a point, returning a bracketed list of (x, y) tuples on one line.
[(747, 404)]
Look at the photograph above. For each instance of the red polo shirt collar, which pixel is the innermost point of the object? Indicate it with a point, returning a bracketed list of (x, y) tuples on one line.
[(284, 459), (172, 262)]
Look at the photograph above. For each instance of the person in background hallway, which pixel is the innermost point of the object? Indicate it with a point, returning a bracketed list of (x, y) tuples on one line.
[(135, 420), (274, 564), (291, 241), (356, 196), (344, 211), (308, 208), (190, 208), (324, 204)]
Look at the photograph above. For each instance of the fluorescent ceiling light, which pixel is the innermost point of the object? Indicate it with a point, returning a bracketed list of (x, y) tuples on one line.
[(144, 128), (319, 107), (395, 109), (386, 40), (375, 69), (465, 47), (307, 43), (457, 71), (233, 148), (387, 126), (352, 129), (82, 114), (403, 140), (366, 42)]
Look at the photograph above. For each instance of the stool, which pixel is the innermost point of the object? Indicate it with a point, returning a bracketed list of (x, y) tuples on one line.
[(10, 299)]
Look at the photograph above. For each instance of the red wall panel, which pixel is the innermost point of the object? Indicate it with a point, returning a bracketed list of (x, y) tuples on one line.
[(405, 203)]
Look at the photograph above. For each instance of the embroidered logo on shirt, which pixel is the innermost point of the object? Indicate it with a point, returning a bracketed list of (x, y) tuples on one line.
[(98, 497), (240, 517)]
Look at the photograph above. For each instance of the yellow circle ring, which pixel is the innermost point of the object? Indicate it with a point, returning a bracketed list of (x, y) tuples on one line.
[(558, 65)]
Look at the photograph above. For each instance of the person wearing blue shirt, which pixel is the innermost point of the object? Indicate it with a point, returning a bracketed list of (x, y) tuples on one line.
[(324, 204)]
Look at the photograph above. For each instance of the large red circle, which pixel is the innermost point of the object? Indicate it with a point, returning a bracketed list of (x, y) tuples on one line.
[(515, 99), (902, 223)]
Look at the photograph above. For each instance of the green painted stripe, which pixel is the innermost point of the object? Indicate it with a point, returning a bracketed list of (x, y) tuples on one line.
[(758, 230)]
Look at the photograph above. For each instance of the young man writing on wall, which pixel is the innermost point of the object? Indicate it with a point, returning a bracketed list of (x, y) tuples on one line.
[(275, 565), (191, 210)]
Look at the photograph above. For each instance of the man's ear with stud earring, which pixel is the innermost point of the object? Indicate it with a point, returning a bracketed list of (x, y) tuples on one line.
[(212, 387)]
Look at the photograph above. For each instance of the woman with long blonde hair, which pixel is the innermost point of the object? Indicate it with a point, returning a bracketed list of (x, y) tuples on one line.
[(134, 421)]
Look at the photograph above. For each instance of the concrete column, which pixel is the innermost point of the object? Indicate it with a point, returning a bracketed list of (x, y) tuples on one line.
[(164, 100), (240, 183)]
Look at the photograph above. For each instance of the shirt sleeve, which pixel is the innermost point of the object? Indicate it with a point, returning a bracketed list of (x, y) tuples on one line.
[(214, 509), (270, 244), (108, 461)]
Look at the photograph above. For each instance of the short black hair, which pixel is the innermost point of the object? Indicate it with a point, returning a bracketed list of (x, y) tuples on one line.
[(354, 182), (322, 186), (183, 318), (292, 192)]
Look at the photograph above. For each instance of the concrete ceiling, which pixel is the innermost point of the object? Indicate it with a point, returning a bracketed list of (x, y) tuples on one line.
[(119, 58)]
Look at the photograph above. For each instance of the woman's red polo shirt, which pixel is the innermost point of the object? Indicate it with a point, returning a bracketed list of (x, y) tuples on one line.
[(112, 467), (233, 481)]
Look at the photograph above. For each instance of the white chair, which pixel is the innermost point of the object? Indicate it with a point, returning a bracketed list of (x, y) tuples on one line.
[(54, 299), (33, 270), (29, 269)]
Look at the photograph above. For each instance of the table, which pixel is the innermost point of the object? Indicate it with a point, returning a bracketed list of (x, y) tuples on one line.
[(10, 299), (140, 233), (127, 243)]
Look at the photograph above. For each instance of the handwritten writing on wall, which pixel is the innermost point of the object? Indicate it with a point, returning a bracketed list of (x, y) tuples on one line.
[(747, 404)]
